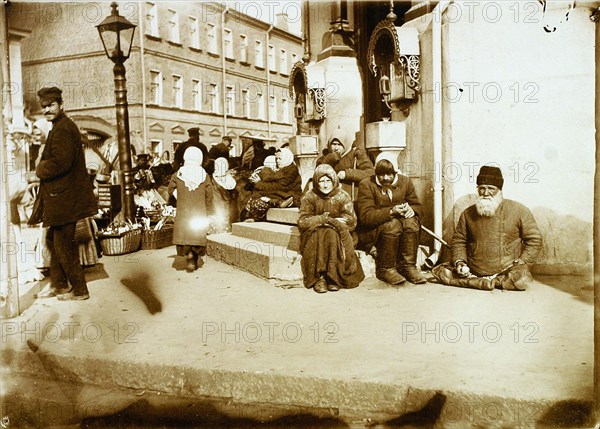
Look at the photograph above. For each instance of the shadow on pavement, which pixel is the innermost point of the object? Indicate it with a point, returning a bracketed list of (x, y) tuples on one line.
[(192, 414), (141, 286), (567, 414), (581, 287), (425, 418), (95, 272)]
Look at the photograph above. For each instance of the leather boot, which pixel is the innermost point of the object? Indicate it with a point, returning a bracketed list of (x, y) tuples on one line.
[(192, 262), (407, 258), (387, 248), (481, 283)]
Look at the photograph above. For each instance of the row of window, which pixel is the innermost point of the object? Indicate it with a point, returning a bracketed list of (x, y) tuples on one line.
[(211, 42), (207, 99)]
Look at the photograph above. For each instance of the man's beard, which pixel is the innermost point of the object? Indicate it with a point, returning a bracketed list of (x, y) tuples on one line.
[(487, 206)]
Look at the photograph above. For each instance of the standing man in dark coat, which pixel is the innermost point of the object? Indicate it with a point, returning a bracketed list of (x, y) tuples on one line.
[(194, 140), (389, 215), (67, 196)]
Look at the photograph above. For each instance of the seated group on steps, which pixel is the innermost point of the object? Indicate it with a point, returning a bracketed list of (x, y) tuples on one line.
[(351, 204)]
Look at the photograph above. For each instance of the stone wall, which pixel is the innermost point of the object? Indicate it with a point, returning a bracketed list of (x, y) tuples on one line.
[(518, 96)]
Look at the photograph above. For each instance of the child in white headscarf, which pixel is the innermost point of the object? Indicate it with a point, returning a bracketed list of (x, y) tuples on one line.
[(194, 193), (224, 197)]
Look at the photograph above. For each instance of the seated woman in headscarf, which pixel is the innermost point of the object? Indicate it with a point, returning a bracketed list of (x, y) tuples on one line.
[(351, 163), (326, 222), (224, 197), (193, 190), (280, 188), (270, 163)]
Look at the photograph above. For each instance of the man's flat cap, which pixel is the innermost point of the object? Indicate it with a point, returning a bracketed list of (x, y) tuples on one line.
[(49, 94)]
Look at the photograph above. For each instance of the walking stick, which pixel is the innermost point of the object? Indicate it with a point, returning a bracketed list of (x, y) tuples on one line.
[(434, 235)]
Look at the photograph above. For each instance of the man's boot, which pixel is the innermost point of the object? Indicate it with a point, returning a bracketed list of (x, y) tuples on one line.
[(192, 262), (407, 258), (387, 247), (481, 283)]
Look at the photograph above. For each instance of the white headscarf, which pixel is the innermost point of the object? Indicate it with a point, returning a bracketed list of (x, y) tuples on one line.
[(221, 174), (388, 156), (271, 162), (287, 157), (43, 125), (192, 173)]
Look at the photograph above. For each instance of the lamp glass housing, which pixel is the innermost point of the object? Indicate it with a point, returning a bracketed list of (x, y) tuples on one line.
[(116, 34)]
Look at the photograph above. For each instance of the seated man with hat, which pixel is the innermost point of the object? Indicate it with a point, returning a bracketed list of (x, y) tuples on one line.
[(493, 242), (389, 216)]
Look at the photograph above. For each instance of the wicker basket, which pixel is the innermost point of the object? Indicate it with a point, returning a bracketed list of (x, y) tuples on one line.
[(157, 239), (126, 243)]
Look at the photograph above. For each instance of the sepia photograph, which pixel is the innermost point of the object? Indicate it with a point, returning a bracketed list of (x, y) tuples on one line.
[(306, 214)]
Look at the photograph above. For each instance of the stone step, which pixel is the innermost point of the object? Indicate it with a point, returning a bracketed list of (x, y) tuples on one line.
[(262, 259), (287, 216), (284, 235)]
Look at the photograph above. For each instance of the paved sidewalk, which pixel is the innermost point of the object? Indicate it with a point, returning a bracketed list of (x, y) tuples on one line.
[(369, 354)]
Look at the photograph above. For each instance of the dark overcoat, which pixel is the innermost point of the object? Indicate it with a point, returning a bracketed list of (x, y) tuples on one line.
[(65, 185), (356, 165), (491, 244), (193, 211), (281, 184), (373, 206)]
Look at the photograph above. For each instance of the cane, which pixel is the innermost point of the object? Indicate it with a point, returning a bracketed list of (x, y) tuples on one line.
[(434, 235), (431, 260)]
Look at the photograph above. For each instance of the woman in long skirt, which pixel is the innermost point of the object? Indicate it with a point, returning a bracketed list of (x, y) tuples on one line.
[(326, 222), (194, 193)]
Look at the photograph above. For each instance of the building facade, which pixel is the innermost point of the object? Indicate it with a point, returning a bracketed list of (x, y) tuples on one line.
[(192, 64), (451, 86)]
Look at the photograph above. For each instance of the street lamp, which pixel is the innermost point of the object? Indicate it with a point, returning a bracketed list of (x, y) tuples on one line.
[(116, 34)]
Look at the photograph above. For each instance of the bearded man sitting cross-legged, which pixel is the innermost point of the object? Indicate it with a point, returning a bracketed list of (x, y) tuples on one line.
[(493, 242)]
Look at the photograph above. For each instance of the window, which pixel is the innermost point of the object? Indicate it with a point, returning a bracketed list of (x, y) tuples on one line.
[(272, 108), (151, 19), (272, 66), (260, 105), (177, 93), (155, 87), (294, 59), (228, 43), (230, 100), (259, 60), (283, 64), (213, 99), (156, 147), (196, 101), (176, 144), (245, 103), (212, 38), (173, 26), (194, 33), (243, 49), (285, 110)]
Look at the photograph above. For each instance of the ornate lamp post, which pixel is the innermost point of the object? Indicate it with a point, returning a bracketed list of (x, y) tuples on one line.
[(116, 34)]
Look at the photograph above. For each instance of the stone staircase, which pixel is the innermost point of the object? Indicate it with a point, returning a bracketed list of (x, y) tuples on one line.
[(266, 249)]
